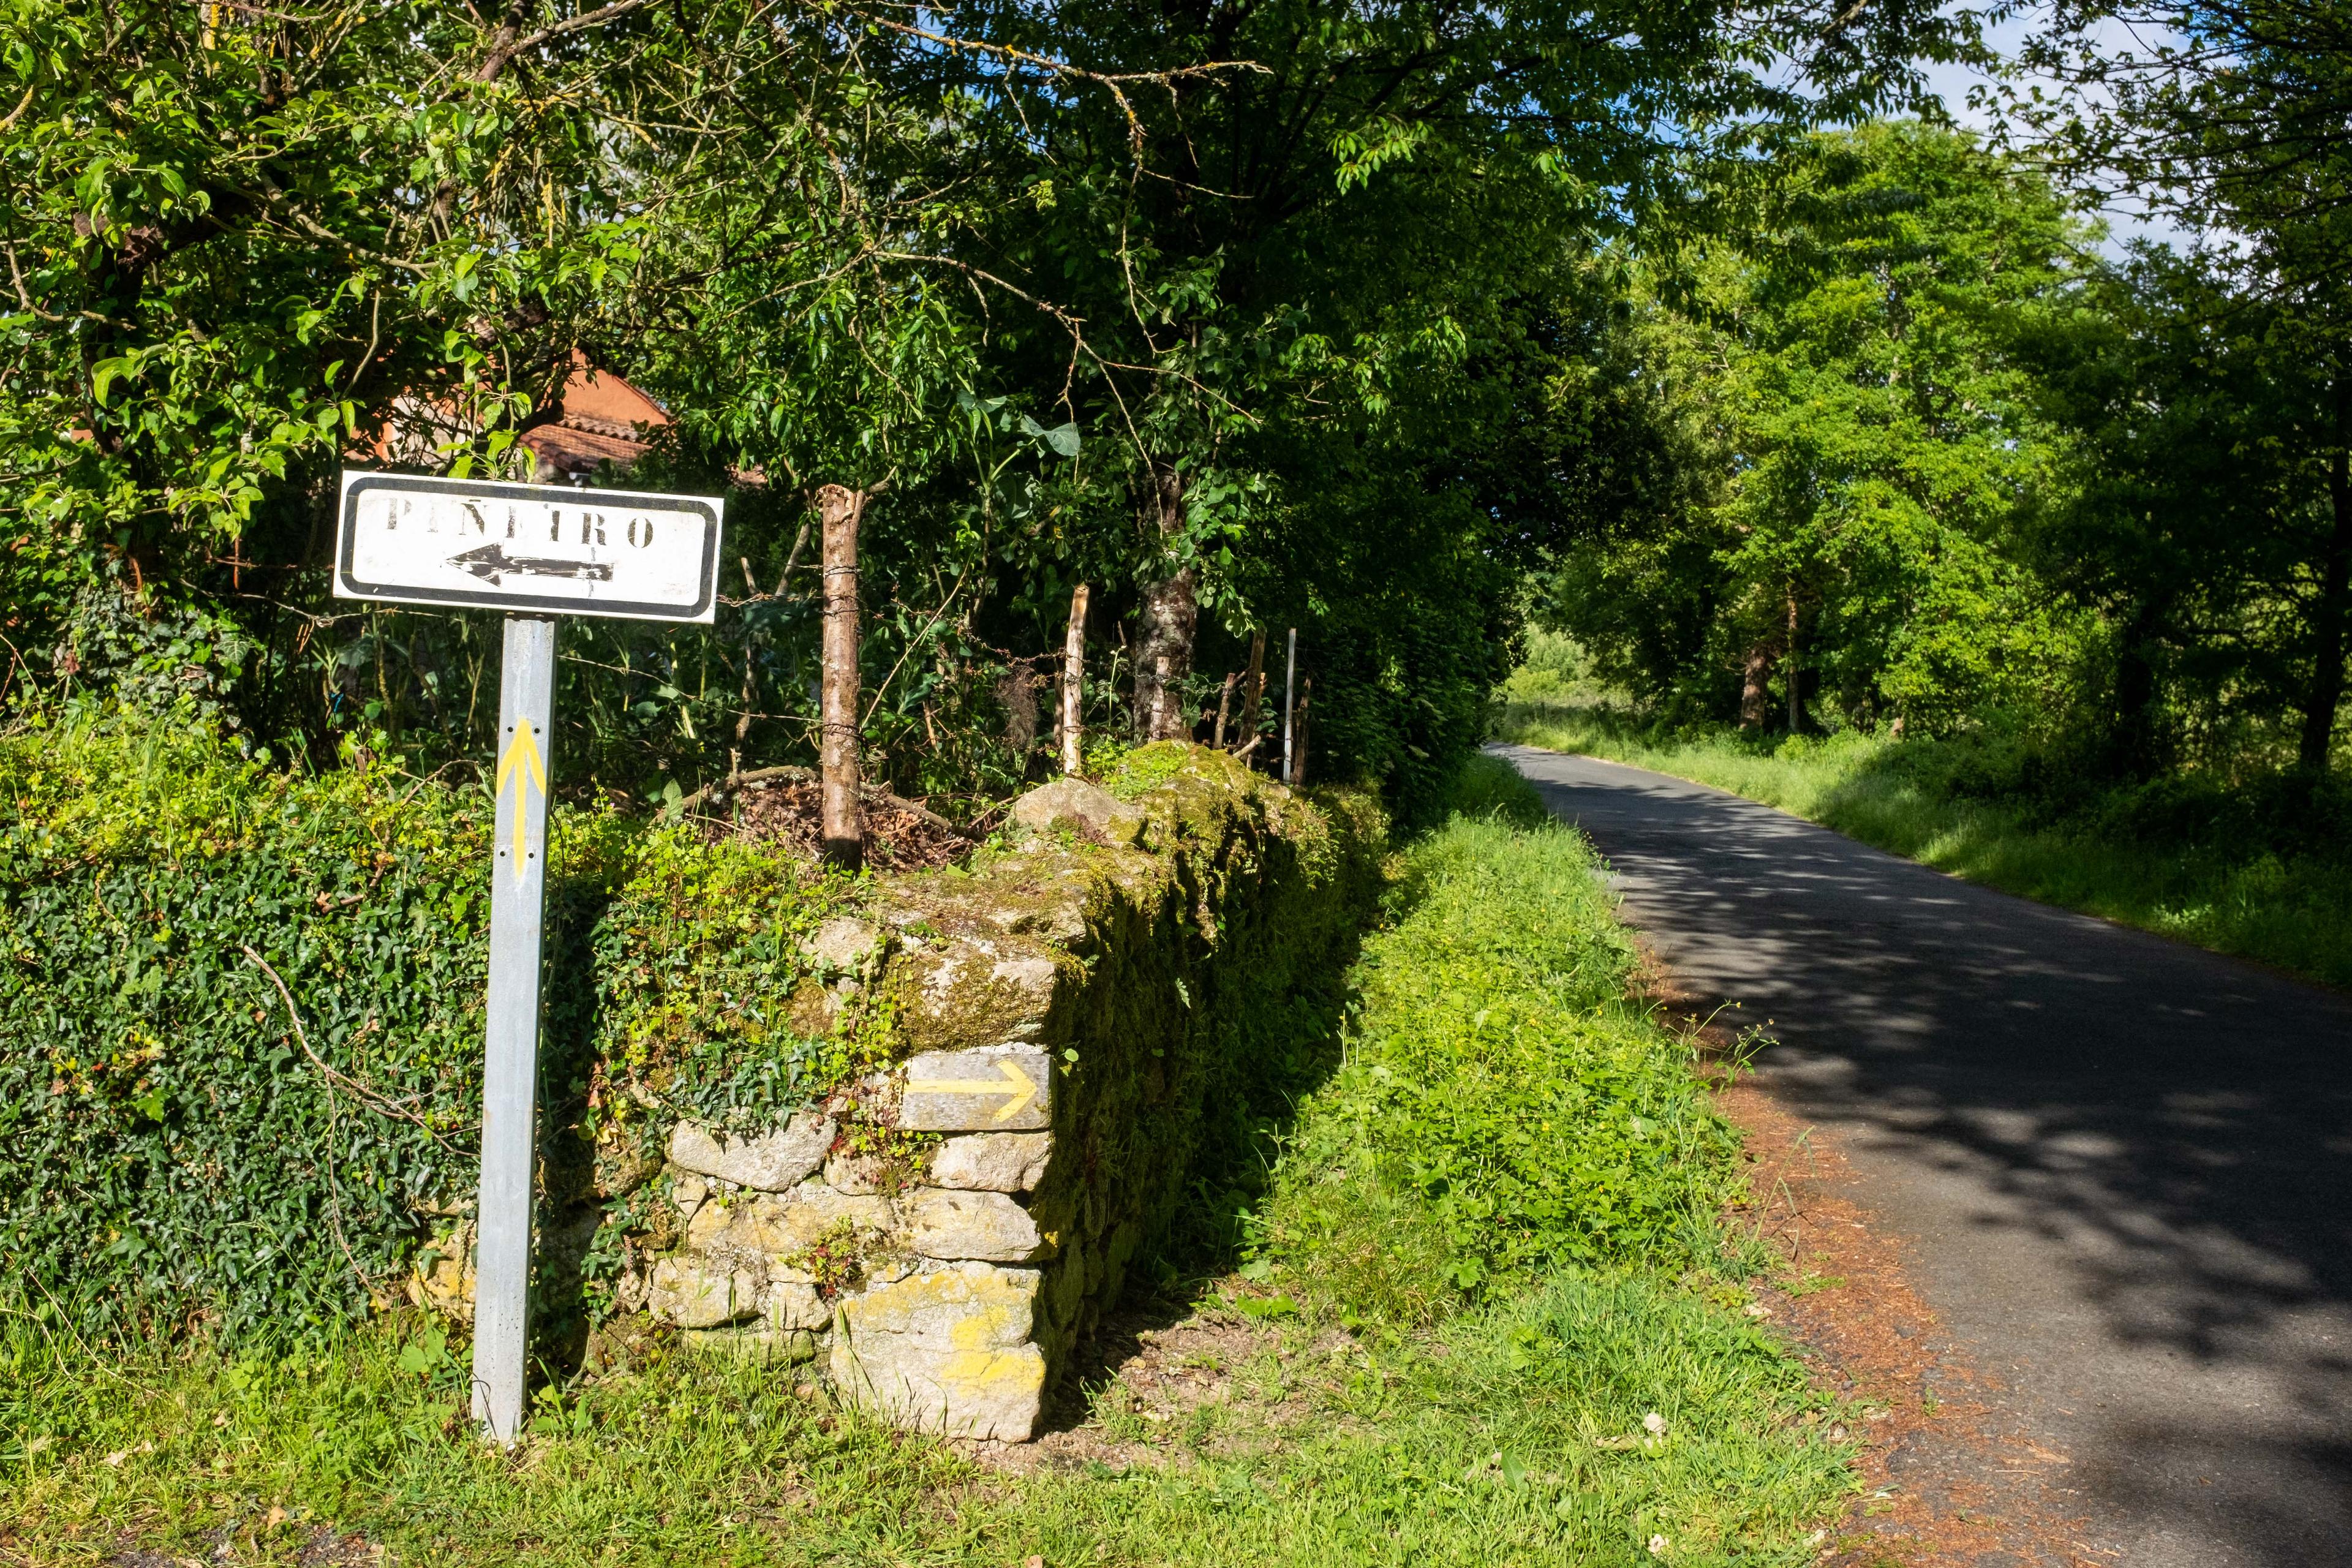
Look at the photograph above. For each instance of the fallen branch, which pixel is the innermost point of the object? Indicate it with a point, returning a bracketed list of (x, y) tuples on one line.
[(351, 1086)]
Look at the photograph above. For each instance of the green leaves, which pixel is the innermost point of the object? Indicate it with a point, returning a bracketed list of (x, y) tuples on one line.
[(1541, 1120), (169, 1146), (1850, 445), (1062, 439)]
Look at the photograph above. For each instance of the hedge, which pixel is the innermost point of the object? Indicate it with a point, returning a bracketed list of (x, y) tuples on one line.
[(181, 1142)]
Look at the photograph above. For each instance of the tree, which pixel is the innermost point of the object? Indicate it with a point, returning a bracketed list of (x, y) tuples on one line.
[(1222, 244), (2234, 124), (2196, 512), (1847, 386), (1070, 292)]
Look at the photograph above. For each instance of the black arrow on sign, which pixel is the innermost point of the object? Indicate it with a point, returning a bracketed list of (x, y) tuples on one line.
[(491, 562)]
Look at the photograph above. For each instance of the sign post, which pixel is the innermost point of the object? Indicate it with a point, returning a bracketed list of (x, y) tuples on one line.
[(536, 551)]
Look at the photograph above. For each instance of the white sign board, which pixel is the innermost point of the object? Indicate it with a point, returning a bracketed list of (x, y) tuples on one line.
[(405, 539)]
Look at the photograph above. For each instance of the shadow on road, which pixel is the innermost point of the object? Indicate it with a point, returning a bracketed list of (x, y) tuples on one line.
[(2127, 1163)]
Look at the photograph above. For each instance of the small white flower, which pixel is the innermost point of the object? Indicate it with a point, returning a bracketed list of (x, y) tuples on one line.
[(1654, 1425), (1658, 1544)]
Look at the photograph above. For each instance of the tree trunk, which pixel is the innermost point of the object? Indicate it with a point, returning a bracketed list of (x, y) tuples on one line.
[(2131, 750), (840, 510), (1755, 685), (1169, 616), (1299, 766), (1253, 690), (1289, 707), (2335, 599), (1792, 674), (1073, 684)]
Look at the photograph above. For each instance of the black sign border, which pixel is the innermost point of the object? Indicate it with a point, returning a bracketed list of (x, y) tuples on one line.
[(705, 608)]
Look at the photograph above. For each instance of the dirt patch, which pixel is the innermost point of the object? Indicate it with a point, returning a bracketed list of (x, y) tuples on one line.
[(1950, 1473), (320, 1547), (1157, 1386), (789, 813)]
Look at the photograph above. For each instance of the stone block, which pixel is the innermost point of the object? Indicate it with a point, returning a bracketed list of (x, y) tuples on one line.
[(993, 1161), (975, 991), (446, 1285), (843, 942), (855, 1175), (693, 1296), (757, 1342), (947, 1350), (772, 1163), (997, 1089), (794, 1305), (776, 1225), (1088, 811), (987, 1227)]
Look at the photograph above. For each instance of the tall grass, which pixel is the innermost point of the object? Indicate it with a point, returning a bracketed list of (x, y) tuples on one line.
[(1484, 1261), (2262, 869)]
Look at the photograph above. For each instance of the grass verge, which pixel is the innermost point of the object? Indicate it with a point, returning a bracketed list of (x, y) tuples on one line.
[(1484, 1318), (2256, 872)]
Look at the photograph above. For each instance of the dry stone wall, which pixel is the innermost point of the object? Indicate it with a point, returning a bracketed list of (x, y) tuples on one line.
[(1081, 1020)]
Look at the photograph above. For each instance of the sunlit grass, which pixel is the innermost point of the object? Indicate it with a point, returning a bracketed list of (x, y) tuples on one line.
[(1394, 1411), (2294, 910)]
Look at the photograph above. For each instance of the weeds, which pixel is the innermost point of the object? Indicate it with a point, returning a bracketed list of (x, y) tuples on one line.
[(1424, 1372), (2258, 870)]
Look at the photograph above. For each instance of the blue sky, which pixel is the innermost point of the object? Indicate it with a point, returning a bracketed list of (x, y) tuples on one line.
[(1952, 83)]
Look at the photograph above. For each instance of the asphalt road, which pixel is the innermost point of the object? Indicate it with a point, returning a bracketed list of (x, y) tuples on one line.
[(2124, 1165)]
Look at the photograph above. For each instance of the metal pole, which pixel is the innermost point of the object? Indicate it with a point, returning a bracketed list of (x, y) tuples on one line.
[(1289, 707), (510, 1070)]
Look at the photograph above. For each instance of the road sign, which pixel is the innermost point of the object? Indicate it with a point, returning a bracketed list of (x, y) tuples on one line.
[(410, 539), (982, 1090), (535, 550)]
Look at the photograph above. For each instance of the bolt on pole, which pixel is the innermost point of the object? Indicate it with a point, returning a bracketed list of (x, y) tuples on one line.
[(510, 1070)]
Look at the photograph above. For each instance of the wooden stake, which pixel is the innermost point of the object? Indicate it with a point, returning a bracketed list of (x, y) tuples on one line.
[(1789, 667), (1225, 707), (1298, 768), (1290, 706), (840, 510), (1074, 682), (1254, 687)]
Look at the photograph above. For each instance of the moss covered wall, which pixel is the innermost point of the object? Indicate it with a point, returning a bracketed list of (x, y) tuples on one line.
[(1155, 960)]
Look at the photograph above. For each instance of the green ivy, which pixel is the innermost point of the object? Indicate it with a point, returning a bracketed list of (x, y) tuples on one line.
[(1499, 1069), (180, 1140)]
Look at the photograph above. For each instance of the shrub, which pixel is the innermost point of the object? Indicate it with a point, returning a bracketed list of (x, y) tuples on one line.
[(1498, 1074), (241, 1020)]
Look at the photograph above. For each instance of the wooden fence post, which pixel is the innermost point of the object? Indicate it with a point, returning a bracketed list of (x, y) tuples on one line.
[(1073, 684), (1290, 704), (1305, 700), (840, 509), (1253, 690)]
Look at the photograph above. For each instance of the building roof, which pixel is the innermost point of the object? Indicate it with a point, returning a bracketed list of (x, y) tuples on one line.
[(604, 420)]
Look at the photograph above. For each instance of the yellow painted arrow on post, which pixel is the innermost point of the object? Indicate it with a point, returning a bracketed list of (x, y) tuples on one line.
[(521, 762), (1014, 1084)]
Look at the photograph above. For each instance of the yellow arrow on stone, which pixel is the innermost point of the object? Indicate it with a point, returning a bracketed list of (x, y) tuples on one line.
[(521, 763), (1016, 1085)]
